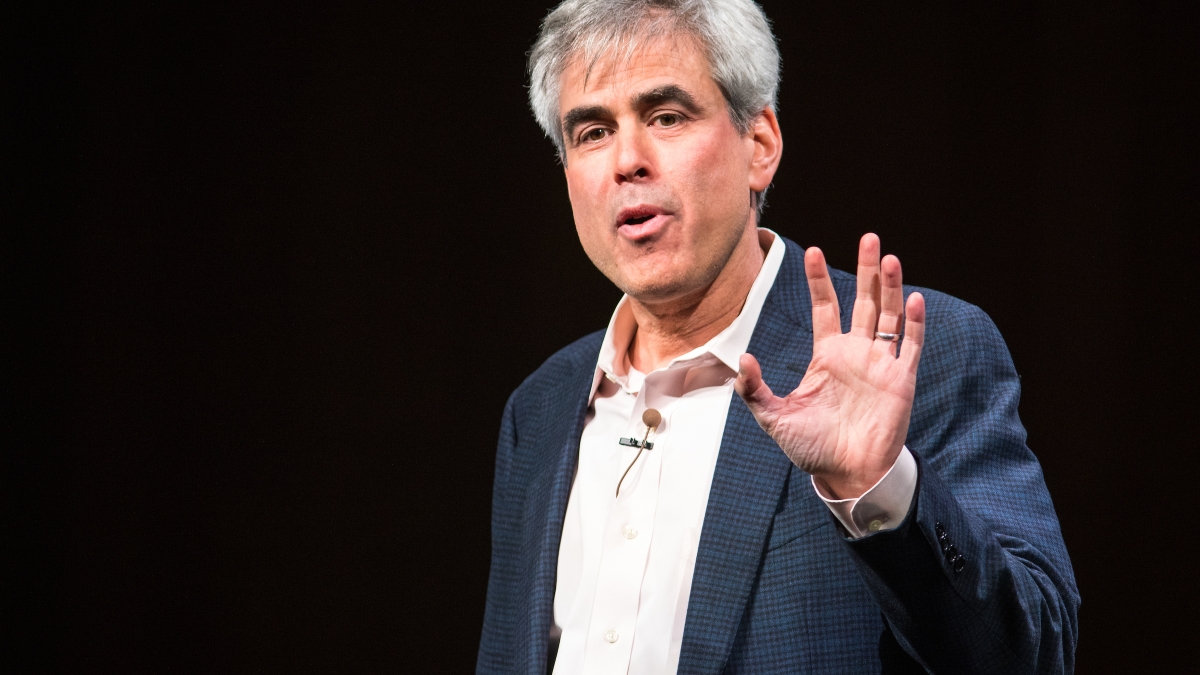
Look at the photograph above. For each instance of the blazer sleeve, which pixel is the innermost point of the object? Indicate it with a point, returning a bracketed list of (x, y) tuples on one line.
[(976, 578)]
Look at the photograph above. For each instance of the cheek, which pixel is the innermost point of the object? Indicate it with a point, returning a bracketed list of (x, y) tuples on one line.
[(586, 186), (717, 184), (583, 196), (589, 211)]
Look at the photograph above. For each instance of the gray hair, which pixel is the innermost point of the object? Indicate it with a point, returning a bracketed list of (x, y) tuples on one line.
[(735, 34)]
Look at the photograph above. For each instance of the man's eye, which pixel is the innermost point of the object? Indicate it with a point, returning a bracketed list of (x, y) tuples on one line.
[(592, 135), (668, 120)]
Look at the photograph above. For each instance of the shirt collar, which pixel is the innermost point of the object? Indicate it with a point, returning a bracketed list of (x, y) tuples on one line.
[(727, 346)]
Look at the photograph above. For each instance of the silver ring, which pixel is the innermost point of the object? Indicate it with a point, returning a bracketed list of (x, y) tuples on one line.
[(890, 337)]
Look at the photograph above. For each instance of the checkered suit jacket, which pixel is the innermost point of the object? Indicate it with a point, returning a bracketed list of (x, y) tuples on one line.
[(778, 588)]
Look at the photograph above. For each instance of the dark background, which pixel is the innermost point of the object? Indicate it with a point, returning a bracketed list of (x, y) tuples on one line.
[(270, 274)]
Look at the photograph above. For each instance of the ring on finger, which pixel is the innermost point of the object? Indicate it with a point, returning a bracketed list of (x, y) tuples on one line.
[(889, 337)]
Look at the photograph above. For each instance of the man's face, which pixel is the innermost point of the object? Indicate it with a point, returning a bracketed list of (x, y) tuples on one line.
[(659, 177)]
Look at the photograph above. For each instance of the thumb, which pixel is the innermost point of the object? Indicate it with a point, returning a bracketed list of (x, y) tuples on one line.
[(753, 390)]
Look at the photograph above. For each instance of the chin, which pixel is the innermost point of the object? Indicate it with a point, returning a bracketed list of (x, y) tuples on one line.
[(658, 287)]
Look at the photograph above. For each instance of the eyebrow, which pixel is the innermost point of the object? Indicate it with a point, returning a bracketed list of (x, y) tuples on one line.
[(583, 114), (668, 93)]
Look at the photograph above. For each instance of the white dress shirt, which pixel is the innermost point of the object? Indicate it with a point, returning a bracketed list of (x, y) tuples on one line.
[(625, 562)]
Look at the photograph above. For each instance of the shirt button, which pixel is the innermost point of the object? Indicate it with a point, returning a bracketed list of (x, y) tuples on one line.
[(611, 636), (875, 525), (630, 533)]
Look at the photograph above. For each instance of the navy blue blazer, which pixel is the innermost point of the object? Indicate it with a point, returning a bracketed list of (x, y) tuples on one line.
[(778, 587)]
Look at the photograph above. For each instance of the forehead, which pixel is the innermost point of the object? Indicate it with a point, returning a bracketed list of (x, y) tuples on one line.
[(624, 69)]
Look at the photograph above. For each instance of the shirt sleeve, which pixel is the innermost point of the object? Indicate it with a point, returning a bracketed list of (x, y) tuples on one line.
[(881, 508)]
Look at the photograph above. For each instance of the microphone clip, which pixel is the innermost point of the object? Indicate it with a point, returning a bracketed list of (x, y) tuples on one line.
[(635, 443), (651, 418)]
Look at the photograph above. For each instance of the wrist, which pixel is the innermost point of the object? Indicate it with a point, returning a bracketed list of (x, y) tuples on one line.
[(855, 481), (883, 506), (846, 487)]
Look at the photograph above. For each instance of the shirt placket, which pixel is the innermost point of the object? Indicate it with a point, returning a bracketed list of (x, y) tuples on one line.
[(626, 547)]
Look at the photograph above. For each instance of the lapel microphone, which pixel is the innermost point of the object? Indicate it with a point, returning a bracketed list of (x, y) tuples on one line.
[(651, 418)]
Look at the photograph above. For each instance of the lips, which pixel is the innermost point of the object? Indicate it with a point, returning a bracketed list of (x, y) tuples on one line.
[(641, 221)]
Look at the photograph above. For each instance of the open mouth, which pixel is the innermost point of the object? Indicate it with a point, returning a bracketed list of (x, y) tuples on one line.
[(643, 220)]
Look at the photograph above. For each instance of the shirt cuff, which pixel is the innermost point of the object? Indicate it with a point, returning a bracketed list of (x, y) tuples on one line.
[(884, 506)]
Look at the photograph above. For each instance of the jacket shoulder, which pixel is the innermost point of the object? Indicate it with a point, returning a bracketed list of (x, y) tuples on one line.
[(960, 331), (967, 385), (559, 373)]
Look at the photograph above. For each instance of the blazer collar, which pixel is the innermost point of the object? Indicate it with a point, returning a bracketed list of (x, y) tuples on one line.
[(749, 481), (545, 507)]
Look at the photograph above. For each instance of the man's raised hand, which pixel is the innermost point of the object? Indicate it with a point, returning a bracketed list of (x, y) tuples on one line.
[(847, 421)]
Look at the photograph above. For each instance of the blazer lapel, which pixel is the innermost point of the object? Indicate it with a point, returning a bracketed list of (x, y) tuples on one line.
[(545, 507), (747, 485)]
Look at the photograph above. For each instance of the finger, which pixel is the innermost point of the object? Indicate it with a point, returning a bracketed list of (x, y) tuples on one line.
[(866, 303), (763, 403), (827, 317), (914, 331), (891, 307)]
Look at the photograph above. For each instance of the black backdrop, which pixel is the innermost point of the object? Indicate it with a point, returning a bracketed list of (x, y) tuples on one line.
[(271, 273)]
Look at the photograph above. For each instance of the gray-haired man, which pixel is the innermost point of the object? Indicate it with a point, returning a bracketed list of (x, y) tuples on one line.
[(644, 517)]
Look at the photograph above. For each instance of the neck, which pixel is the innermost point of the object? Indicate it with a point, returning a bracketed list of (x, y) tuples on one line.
[(674, 327)]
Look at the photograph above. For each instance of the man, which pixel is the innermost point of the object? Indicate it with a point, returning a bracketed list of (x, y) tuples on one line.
[(657, 506)]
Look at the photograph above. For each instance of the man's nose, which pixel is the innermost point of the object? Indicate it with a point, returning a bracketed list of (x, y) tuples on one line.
[(633, 158)]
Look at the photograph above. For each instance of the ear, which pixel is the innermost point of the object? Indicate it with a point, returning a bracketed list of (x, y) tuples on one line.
[(768, 148)]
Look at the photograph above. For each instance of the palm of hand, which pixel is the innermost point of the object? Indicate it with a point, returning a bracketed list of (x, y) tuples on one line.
[(851, 407), (847, 420)]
